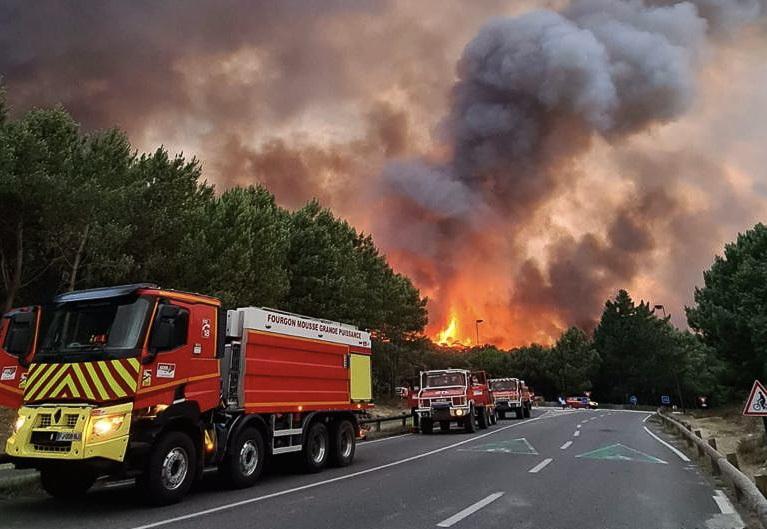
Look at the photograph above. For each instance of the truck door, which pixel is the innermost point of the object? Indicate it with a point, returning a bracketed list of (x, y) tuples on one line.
[(19, 329)]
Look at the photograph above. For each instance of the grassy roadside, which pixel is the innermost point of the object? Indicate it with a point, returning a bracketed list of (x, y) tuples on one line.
[(734, 433)]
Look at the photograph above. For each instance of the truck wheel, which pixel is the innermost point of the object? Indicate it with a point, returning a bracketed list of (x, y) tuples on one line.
[(526, 412), (520, 412), (170, 469), (427, 426), (482, 418), (316, 448), (343, 444), (444, 426), (66, 483), (245, 459), (493, 417), (469, 423)]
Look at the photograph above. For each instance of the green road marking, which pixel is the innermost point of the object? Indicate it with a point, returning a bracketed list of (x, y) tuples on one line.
[(619, 452), (513, 446)]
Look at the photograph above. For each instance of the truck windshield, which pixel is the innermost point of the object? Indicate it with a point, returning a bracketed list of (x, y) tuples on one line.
[(445, 379), (94, 330), (504, 385)]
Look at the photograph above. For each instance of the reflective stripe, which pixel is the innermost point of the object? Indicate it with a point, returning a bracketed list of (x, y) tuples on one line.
[(83, 381)]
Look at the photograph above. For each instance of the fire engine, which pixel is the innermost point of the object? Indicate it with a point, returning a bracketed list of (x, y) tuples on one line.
[(140, 381), (511, 394), (454, 395)]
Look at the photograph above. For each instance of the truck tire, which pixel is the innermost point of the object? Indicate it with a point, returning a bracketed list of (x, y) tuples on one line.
[(343, 444), (493, 417), (427, 426), (520, 412), (444, 426), (170, 470), (244, 460), (469, 423), (316, 449), (526, 411), (482, 418), (65, 482)]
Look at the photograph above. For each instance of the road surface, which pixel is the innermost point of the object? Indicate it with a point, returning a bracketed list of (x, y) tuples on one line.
[(559, 469)]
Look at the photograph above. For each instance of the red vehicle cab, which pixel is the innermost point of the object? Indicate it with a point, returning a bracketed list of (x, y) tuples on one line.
[(511, 395), (584, 403), (454, 396)]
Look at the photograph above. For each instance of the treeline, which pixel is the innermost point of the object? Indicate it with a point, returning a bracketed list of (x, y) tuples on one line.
[(81, 210), (634, 350)]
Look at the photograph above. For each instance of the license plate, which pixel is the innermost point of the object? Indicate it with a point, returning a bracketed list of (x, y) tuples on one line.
[(68, 436), (441, 401)]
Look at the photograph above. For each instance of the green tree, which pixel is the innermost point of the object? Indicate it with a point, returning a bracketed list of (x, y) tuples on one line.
[(730, 311), (574, 362)]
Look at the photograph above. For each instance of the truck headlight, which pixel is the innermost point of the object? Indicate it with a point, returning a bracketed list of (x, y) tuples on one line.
[(20, 420), (106, 426), (459, 412)]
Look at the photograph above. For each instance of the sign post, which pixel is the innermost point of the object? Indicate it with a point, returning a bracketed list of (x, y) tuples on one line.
[(756, 405)]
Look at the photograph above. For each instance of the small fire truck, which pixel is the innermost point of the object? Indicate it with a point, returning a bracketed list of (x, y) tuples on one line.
[(450, 396), (511, 394), (140, 381)]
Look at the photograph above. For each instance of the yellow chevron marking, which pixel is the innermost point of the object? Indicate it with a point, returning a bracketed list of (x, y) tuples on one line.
[(35, 372), (45, 371), (110, 379), (96, 381), (77, 368), (135, 364), (45, 387), (125, 375), (66, 382)]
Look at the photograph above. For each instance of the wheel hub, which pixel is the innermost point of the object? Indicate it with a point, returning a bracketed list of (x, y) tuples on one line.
[(174, 468)]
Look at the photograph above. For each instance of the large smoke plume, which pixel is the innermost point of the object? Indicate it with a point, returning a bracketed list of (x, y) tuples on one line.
[(569, 149)]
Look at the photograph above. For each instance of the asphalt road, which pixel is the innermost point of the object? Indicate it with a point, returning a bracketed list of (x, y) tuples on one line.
[(568, 470)]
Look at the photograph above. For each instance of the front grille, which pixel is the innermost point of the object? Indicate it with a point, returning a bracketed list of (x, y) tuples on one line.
[(64, 446), (44, 421), (71, 420)]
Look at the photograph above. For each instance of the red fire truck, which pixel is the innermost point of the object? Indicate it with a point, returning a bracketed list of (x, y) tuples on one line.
[(454, 395), (139, 381), (511, 394)]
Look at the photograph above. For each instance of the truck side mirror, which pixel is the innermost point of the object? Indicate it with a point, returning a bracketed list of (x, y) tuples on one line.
[(164, 330), (20, 333)]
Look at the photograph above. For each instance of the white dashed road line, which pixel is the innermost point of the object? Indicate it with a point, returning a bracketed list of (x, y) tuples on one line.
[(576, 433), (540, 466), (664, 443), (468, 511), (566, 445)]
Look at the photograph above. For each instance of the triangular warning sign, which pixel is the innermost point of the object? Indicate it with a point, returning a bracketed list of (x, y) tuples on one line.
[(757, 400), (513, 446), (619, 452)]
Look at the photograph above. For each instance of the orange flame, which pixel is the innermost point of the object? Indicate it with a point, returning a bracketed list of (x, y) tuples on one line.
[(449, 335)]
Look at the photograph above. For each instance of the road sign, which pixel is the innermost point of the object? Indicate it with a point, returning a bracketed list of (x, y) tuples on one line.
[(665, 400), (633, 400), (756, 405)]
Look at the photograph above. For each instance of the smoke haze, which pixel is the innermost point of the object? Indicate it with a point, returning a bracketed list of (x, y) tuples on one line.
[(520, 161)]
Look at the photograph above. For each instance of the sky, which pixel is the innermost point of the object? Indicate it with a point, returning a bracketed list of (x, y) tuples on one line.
[(521, 161)]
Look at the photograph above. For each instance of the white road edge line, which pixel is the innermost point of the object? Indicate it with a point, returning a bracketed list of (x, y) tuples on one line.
[(672, 448), (537, 468), (576, 433), (240, 503), (363, 443), (645, 419), (566, 445), (723, 502), (468, 511)]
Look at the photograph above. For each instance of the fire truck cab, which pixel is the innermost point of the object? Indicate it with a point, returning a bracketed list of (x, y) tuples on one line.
[(454, 396), (511, 394)]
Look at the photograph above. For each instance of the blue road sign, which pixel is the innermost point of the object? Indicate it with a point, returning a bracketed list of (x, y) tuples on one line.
[(633, 400), (665, 400)]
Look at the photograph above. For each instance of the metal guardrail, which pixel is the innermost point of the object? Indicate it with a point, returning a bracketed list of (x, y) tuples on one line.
[(378, 420), (744, 487)]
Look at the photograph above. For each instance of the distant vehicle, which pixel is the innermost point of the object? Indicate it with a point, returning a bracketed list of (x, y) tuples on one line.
[(454, 396), (511, 395), (581, 403)]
